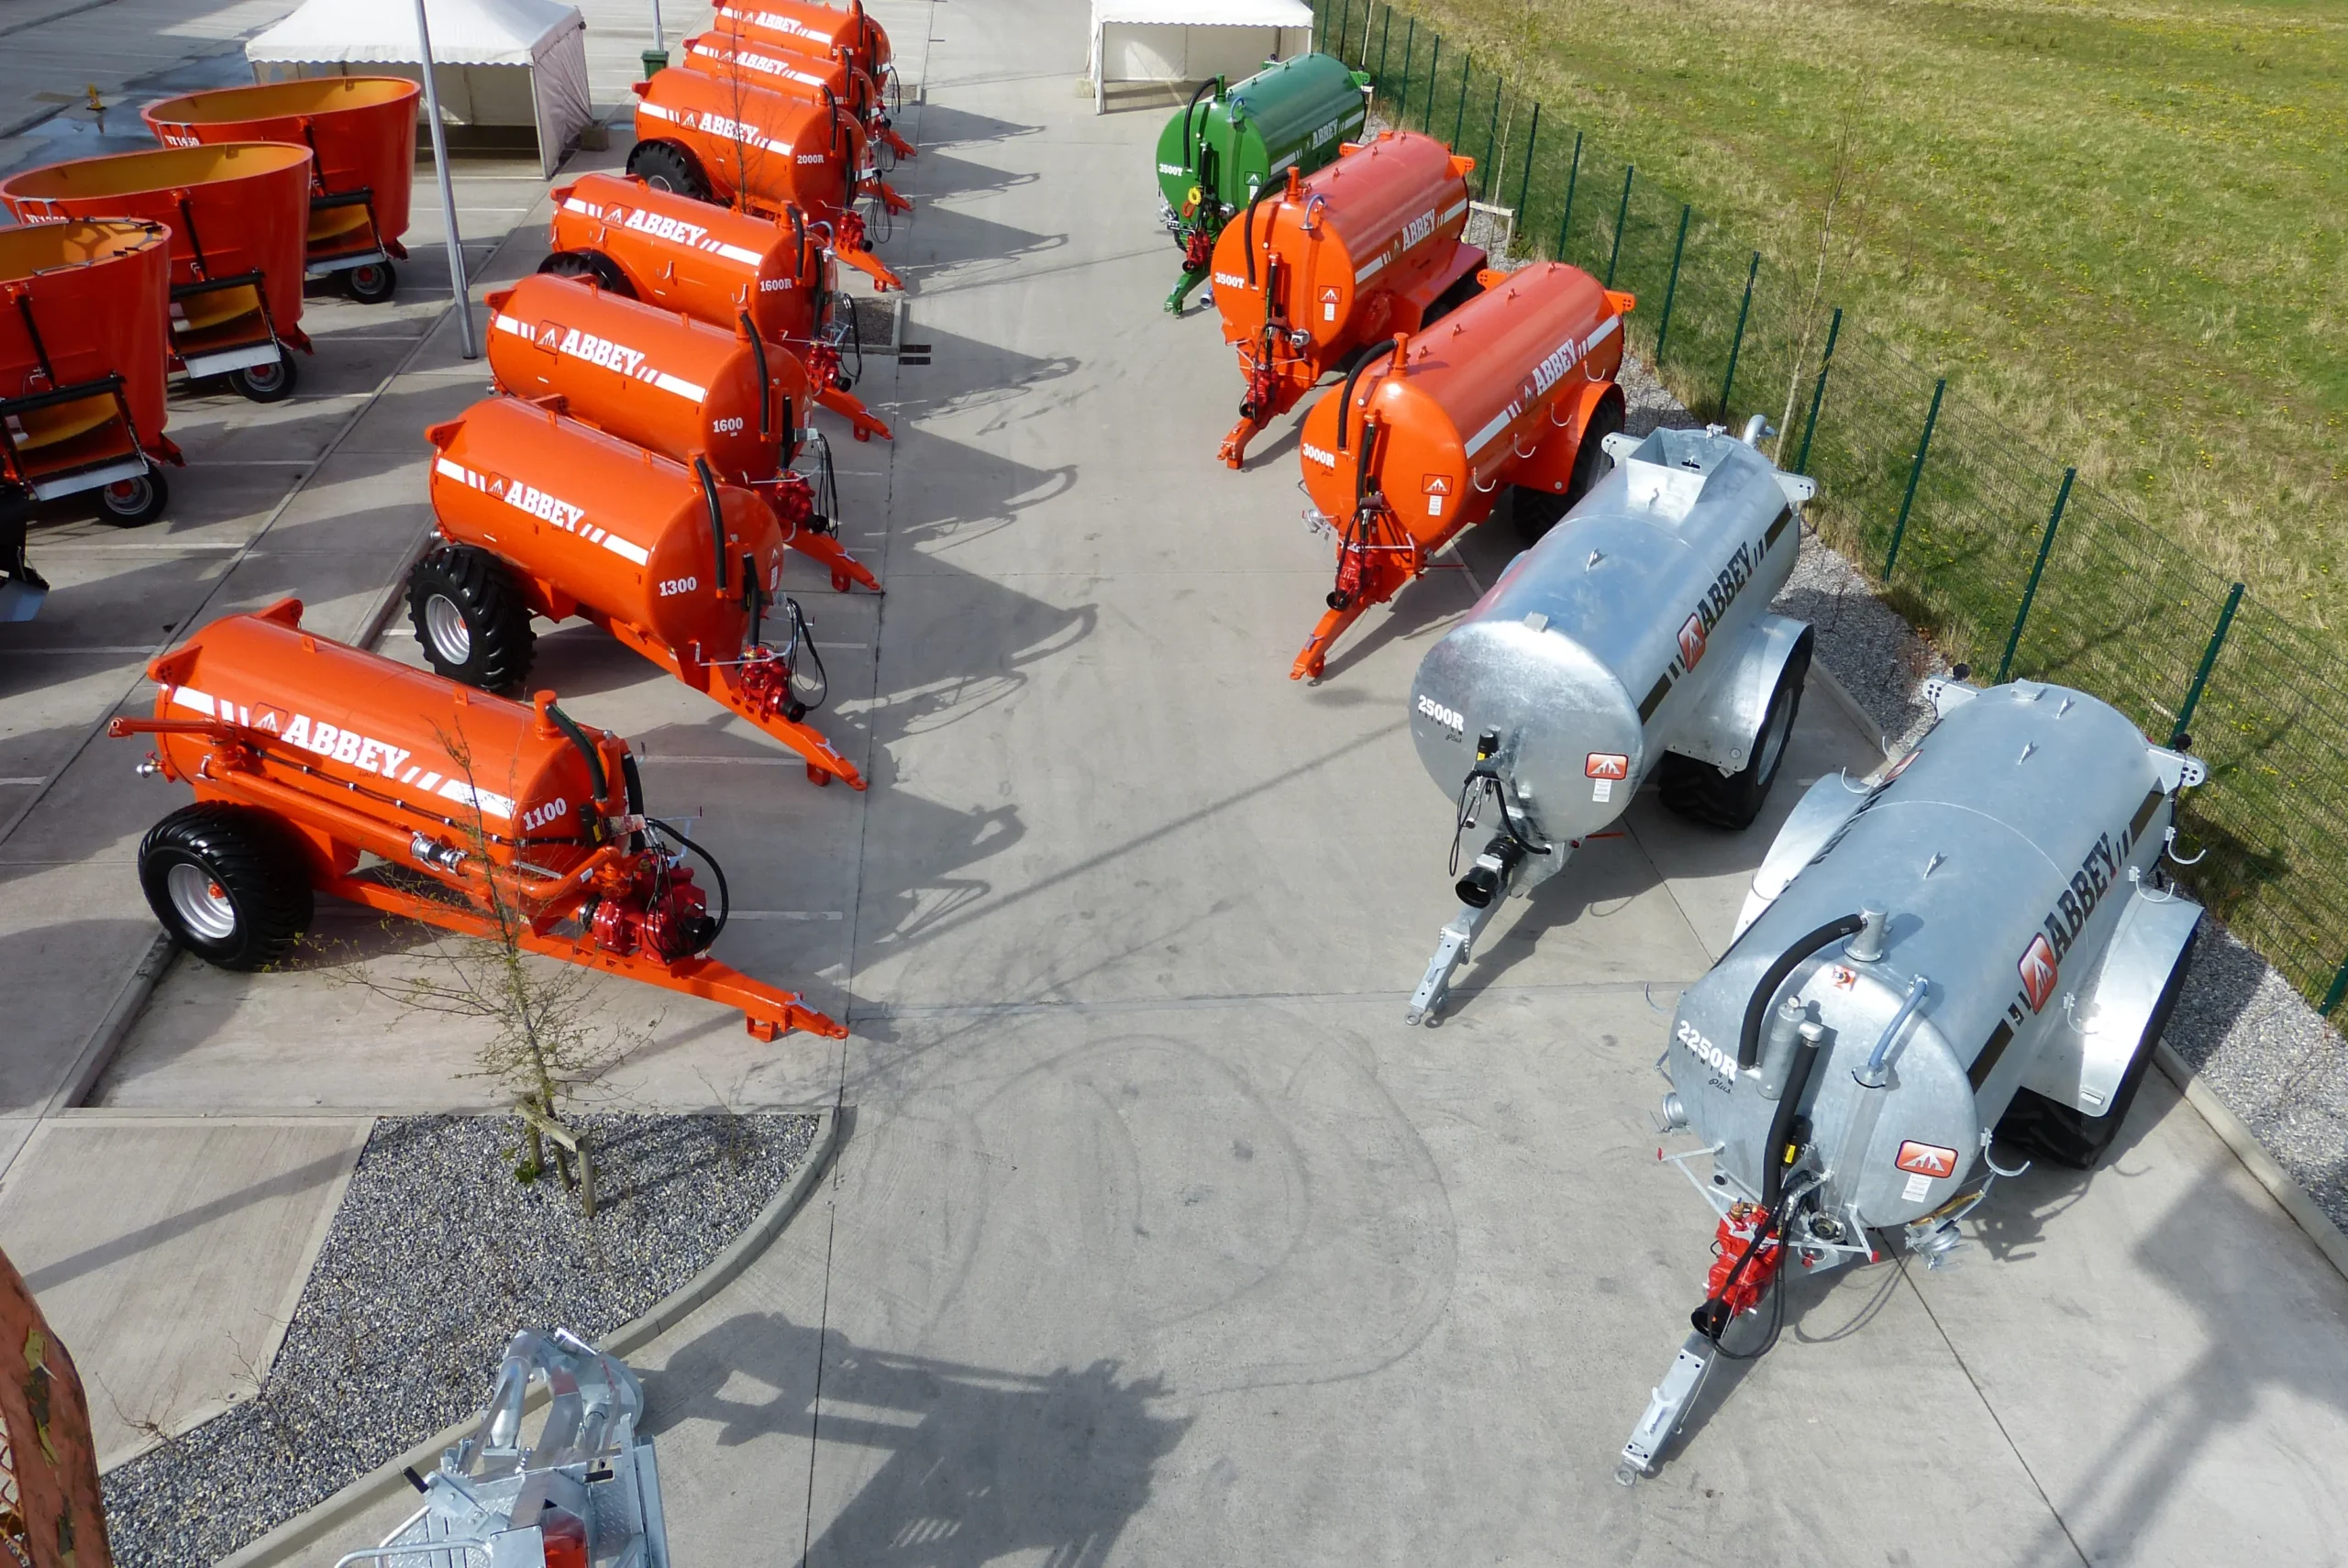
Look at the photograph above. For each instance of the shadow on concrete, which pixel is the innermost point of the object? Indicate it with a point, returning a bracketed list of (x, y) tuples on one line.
[(285, 1184), (941, 126), (974, 1465), (965, 375)]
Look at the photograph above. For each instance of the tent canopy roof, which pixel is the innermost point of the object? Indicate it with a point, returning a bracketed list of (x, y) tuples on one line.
[(1198, 12), (464, 32)]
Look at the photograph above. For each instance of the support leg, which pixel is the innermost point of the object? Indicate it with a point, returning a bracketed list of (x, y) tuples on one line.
[(1183, 287), (1233, 450), (889, 197), (1667, 1407), (898, 144), (850, 407), (1316, 655), (1456, 947), (824, 763), (845, 568), (869, 265)]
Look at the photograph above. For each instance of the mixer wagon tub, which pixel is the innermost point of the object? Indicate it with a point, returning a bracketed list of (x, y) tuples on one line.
[(361, 133), (1633, 641), (238, 214), (1980, 944), (320, 767)]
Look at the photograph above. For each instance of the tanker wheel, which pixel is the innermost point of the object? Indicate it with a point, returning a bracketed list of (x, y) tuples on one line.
[(471, 618), (599, 271), (666, 168), (1702, 793), (1536, 512), (129, 503), (229, 882), (1590, 461), (2069, 1136), (272, 382), (372, 284)]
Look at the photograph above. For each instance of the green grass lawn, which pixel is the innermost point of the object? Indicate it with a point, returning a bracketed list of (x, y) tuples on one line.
[(2123, 227)]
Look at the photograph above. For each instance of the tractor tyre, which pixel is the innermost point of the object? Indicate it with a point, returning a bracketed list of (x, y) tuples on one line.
[(375, 283), (229, 882), (133, 502), (272, 382), (1533, 513), (2069, 1136), (1590, 461), (1702, 793), (593, 266), (471, 618), (667, 167)]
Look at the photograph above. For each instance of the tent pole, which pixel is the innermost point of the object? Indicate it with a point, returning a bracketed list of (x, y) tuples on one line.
[(456, 282), (660, 38)]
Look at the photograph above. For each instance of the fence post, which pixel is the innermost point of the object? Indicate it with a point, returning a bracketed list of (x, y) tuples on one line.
[(1671, 290), (1915, 472), (1621, 215), (1491, 135), (2178, 737), (1459, 116), (1524, 175), (1385, 37), (2339, 991), (1818, 392), (1435, 64), (1402, 99), (1737, 343), (2030, 589), (1573, 177), (1344, 21)]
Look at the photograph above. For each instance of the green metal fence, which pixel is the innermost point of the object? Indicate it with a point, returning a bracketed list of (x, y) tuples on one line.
[(1987, 542)]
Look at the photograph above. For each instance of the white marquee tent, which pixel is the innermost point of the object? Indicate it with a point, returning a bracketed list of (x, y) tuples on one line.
[(496, 62), (1189, 41)]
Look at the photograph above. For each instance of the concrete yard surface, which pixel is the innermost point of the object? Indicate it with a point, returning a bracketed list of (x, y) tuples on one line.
[(170, 1252)]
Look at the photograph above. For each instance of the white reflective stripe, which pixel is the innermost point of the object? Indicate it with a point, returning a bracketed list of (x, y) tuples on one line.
[(655, 110), (1483, 437), (573, 204), (511, 324), (190, 698), (457, 471), (1374, 268), (737, 253), (626, 551), (1601, 335), (464, 794), (1454, 210), (684, 389)]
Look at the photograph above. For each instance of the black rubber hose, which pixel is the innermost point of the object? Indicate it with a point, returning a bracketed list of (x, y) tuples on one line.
[(717, 873), (1773, 1157), (717, 517), (632, 782), (1345, 403), (766, 386), (1190, 142), (1248, 229), (1756, 1011), (596, 777)]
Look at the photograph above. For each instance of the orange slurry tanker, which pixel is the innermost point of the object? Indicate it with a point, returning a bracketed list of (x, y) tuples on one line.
[(713, 265), (1317, 270), (810, 28), (671, 384), (479, 815), (543, 514), (1515, 389), (796, 74), (728, 141)]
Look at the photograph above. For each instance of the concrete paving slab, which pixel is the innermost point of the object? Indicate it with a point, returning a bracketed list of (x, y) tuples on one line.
[(173, 1286)]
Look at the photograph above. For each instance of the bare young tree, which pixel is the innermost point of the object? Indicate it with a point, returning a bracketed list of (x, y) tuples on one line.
[(1844, 203)]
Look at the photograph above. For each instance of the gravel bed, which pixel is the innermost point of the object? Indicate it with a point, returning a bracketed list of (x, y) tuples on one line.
[(2274, 1060), (436, 1255)]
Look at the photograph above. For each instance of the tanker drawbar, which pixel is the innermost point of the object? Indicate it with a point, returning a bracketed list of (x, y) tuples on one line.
[(1633, 640), (1980, 943), (321, 767)]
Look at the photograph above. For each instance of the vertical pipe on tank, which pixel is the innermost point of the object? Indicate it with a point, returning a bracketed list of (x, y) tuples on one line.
[(2177, 737), (1573, 177), (1818, 392), (1621, 216), (1737, 343), (1915, 472), (1671, 290), (2029, 589), (458, 286)]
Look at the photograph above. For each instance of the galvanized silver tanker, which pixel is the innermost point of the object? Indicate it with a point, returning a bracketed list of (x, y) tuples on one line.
[(1980, 942), (1635, 637)]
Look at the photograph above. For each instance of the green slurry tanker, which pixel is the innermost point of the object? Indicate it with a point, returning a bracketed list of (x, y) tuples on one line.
[(1213, 156)]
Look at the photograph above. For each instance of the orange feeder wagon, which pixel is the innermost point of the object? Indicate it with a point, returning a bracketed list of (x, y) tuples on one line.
[(237, 212), (801, 75), (713, 265), (725, 140), (543, 514), (83, 308), (361, 133), (1516, 388), (486, 817), (669, 384), (1318, 270)]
